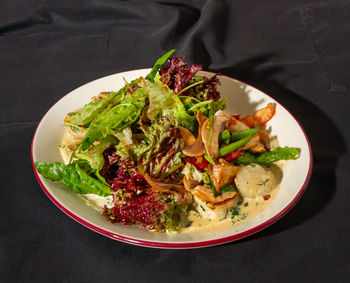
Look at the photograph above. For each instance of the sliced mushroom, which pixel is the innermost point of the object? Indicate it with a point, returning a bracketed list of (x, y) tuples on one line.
[(265, 140), (200, 117), (212, 145), (254, 145), (189, 184), (233, 124), (259, 148), (187, 136), (255, 139), (205, 193), (223, 174), (196, 149)]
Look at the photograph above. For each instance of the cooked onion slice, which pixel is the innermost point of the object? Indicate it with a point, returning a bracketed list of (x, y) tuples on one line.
[(162, 187)]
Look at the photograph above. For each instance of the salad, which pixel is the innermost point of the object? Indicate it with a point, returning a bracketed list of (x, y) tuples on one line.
[(161, 149)]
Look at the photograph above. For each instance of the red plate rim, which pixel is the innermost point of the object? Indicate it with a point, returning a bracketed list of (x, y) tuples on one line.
[(185, 245)]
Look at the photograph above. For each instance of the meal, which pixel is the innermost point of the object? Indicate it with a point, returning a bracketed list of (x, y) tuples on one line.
[(161, 153)]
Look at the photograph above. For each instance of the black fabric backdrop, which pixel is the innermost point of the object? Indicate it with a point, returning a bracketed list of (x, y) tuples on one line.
[(296, 51)]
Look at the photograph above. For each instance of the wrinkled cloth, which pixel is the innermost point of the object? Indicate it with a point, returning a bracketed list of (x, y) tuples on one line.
[(296, 51)]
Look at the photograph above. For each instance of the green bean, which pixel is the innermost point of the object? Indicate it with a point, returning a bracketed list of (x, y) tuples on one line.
[(279, 153), (209, 159), (211, 123), (235, 136), (233, 146), (224, 136)]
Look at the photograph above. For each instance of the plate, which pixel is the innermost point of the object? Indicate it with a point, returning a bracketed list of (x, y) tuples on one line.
[(242, 99)]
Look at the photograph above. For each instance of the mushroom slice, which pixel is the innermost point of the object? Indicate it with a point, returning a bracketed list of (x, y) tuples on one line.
[(205, 193), (265, 140), (196, 149), (254, 141), (212, 145), (200, 117), (189, 184), (233, 124), (255, 145), (259, 148), (223, 174), (187, 136)]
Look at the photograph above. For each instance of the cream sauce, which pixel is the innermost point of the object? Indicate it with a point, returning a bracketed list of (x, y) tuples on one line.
[(237, 211), (63, 148), (231, 214), (95, 201), (202, 218)]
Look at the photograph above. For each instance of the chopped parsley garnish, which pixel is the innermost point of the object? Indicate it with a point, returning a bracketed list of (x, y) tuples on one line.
[(263, 182), (209, 158), (244, 216), (226, 214), (211, 184), (227, 188), (189, 224), (234, 211)]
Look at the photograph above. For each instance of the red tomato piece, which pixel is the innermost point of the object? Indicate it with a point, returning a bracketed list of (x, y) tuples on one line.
[(200, 163), (233, 155), (267, 197)]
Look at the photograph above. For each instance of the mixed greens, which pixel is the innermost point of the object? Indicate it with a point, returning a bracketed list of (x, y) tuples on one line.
[(158, 143)]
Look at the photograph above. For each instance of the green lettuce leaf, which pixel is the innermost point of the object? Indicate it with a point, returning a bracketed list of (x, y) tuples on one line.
[(73, 177), (91, 110), (193, 174), (158, 153), (208, 107), (94, 156), (116, 119), (96, 107), (159, 63), (171, 218), (163, 102)]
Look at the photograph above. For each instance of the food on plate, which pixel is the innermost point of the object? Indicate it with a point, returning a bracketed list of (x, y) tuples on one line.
[(161, 152)]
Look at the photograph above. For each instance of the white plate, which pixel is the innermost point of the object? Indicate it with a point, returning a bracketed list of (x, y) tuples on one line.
[(242, 99)]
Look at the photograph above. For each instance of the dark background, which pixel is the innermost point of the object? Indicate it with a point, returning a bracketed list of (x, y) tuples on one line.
[(296, 51)]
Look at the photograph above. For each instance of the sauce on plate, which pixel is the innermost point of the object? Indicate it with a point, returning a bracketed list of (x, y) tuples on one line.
[(201, 218)]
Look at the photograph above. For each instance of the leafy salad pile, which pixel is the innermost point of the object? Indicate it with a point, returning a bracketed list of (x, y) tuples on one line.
[(139, 145)]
